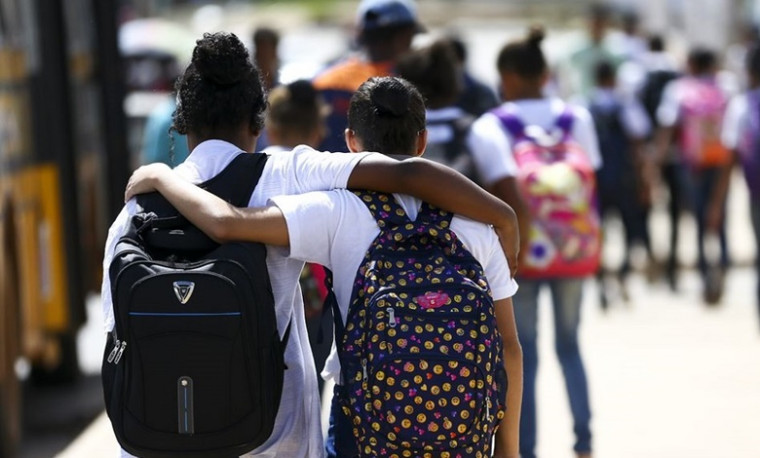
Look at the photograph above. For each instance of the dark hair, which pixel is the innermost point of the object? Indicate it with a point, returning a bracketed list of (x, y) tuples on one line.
[(459, 48), (220, 89), (524, 57), (752, 61), (387, 113), (656, 43), (266, 35), (604, 72), (295, 107), (381, 35), (433, 70), (701, 60)]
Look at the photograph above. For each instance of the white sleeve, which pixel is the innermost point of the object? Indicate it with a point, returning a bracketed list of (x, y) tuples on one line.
[(635, 120), (669, 109), (313, 219), (117, 229), (313, 170), (497, 270), (584, 133), (491, 150), (734, 122)]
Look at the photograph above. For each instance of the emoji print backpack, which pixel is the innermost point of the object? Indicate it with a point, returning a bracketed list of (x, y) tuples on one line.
[(421, 356), (557, 181)]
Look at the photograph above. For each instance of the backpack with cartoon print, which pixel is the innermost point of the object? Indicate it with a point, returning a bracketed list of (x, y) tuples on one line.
[(702, 109), (420, 353), (557, 181)]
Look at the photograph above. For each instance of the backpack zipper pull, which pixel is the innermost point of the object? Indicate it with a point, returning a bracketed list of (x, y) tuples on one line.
[(391, 317), (488, 408), (116, 345), (121, 352), (364, 370)]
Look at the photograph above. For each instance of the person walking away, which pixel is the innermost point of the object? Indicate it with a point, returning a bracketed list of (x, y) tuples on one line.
[(539, 155), (433, 70), (622, 127), (386, 29), (266, 42), (475, 97), (691, 111), (576, 75), (296, 116), (408, 417), (266, 57), (661, 70), (221, 109), (741, 134)]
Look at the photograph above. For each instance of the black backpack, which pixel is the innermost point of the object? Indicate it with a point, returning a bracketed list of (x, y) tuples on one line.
[(194, 366)]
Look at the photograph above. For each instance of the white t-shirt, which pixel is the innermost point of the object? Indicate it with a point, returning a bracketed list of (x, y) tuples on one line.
[(735, 122), (297, 431), (491, 144), (335, 229)]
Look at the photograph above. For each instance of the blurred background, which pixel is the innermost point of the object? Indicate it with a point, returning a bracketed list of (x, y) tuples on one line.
[(79, 79)]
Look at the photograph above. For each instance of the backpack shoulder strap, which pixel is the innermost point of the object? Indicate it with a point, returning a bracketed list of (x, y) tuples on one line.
[(157, 218), (384, 208), (507, 114), (565, 122)]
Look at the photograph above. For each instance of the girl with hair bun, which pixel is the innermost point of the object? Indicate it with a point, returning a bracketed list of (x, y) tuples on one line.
[(539, 154), (221, 109)]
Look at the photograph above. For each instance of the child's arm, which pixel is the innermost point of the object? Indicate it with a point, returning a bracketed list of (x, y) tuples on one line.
[(508, 434), (442, 187), (431, 182), (217, 218)]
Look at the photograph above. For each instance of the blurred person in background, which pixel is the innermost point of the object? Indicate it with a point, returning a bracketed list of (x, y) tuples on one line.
[(160, 142), (386, 29), (622, 128), (577, 73), (296, 116), (539, 155), (476, 97), (736, 54), (266, 42), (660, 69), (691, 112), (741, 134), (434, 71)]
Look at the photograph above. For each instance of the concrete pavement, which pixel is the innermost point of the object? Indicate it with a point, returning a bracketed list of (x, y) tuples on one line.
[(669, 377)]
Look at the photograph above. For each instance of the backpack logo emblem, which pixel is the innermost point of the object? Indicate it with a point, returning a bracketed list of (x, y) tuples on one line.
[(183, 290)]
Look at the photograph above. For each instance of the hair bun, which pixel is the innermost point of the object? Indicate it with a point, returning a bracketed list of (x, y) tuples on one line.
[(221, 58), (536, 35), (390, 98)]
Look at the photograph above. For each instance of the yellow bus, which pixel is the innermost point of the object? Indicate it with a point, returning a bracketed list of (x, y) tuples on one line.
[(63, 166)]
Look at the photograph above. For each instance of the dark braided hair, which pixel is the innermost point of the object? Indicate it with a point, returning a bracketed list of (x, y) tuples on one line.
[(220, 89), (387, 114)]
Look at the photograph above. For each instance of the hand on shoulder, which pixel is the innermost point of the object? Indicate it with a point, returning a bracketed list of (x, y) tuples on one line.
[(145, 179)]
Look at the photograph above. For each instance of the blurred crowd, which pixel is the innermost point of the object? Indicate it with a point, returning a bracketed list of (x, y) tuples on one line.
[(637, 122)]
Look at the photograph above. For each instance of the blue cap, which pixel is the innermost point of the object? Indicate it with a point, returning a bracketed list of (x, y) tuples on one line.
[(376, 14)]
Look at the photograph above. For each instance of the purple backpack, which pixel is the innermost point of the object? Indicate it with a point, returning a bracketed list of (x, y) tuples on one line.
[(421, 355)]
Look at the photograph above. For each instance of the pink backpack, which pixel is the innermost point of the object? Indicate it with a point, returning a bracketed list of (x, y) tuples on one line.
[(557, 182), (702, 109)]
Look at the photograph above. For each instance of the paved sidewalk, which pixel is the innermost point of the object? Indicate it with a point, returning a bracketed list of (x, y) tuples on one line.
[(669, 377)]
